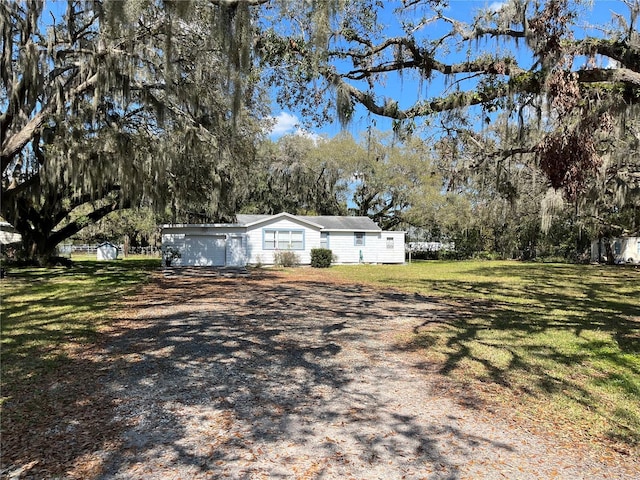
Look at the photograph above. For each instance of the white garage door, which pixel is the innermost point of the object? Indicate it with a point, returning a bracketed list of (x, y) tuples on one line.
[(204, 251)]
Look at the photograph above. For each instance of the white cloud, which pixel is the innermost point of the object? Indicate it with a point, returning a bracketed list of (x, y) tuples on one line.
[(612, 64), (497, 6), (307, 134), (285, 123), (289, 124)]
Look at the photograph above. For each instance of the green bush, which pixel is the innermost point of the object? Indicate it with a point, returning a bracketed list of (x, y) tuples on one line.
[(485, 255), (445, 254), (321, 257), (286, 258)]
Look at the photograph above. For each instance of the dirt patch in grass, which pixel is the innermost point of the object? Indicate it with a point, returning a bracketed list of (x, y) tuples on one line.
[(283, 375)]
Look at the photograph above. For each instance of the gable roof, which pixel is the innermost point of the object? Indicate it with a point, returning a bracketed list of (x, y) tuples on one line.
[(251, 220), (357, 224), (325, 222)]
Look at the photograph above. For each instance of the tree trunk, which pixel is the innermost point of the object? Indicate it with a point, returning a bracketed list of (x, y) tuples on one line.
[(37, 247), (611, 259), (37, 224)]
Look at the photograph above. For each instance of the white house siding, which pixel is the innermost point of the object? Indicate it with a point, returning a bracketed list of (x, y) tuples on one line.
[(255, 236), (242, 243), (342, 245), (391, 248), (236, 250)]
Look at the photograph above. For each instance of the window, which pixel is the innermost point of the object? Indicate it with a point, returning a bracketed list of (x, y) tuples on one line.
[(324, 240), (296, 241), (269, 242), (358, 239), (390, 243), (283, 240)]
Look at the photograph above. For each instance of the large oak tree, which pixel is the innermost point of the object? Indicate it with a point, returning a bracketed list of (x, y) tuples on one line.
[(124, 100), (109, 104), (569, 89)]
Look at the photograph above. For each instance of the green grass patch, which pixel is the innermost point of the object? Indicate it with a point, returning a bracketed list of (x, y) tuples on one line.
[(560, 342), (46, 312)]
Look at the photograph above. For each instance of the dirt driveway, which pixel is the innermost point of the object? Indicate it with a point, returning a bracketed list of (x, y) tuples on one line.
[(276, 376)]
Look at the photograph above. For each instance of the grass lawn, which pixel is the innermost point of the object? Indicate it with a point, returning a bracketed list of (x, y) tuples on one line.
[(47, 314), (559, 344)]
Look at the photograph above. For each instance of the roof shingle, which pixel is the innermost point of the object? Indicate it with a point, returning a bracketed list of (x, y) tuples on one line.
[(328, 222)]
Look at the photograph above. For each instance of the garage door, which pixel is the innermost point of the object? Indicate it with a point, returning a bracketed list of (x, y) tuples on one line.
[(204, 251)]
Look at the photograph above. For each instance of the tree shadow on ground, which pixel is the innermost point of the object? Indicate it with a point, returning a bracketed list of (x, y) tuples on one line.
[(568, 335), (252, 377), (55, 411), (216, 377)]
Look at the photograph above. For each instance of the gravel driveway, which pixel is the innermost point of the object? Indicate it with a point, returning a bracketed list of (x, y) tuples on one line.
[(293, 376)]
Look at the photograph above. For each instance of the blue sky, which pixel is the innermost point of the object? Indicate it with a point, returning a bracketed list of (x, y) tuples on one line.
[(600, 12), (408, 88)]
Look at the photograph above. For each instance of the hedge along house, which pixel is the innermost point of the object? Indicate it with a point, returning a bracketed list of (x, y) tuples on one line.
[(255, 238)]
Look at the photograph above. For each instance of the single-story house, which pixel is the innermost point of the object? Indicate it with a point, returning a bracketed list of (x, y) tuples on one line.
[(625, 249), (254, 239)]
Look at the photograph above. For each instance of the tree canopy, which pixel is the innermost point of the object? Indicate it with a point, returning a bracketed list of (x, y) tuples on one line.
[(569, 89), (110, 104), (118, 103)]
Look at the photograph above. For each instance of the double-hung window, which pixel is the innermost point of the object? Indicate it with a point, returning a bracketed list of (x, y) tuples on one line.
[(358, 239), (283, 239)]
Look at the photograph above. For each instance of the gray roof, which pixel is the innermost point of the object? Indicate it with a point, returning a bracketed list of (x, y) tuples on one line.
[(328, 222), (343, 223)]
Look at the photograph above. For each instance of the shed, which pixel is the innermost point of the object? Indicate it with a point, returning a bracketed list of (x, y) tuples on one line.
[(107, 251)]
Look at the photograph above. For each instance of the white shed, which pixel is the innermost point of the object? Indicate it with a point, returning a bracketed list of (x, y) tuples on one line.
[(107, 251)]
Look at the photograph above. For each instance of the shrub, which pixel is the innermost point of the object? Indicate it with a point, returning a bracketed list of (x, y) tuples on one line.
[(425, 255), (170, 254), (484, 255), (286, 258), (321, 257)]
